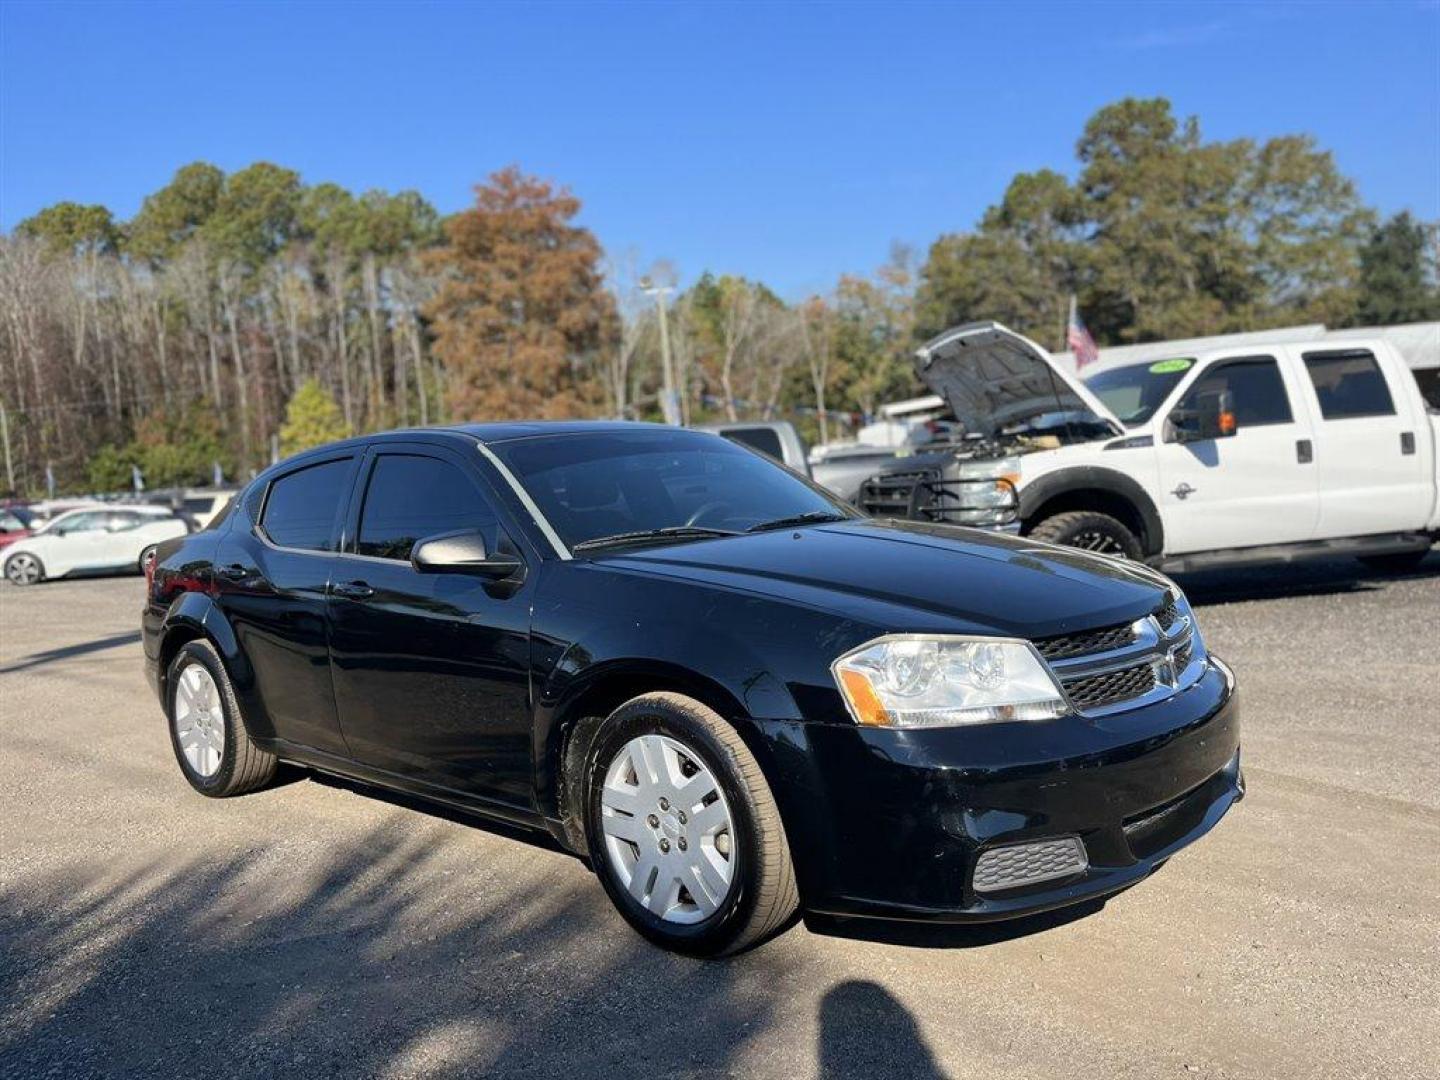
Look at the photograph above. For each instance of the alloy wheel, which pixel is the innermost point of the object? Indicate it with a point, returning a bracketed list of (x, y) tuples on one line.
[(1101, 543), (22, 569), (199, 720), (668, 831)]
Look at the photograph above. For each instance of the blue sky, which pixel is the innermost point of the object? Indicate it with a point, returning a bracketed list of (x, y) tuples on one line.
[(789, 143)]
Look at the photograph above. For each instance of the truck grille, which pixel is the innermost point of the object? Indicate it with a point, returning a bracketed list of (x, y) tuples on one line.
[(890, 494)]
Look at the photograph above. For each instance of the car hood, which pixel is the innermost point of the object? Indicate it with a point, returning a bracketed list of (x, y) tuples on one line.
[(994, 379), (907, 575)]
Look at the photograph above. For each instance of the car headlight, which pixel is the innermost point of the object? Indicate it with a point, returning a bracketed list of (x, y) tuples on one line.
[(910, 680)]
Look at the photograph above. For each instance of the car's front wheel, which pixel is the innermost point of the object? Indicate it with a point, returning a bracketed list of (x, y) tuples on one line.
[(684, 831), (22, 568)]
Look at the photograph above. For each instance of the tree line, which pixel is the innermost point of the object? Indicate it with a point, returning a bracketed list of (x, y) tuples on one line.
[(241, 315)]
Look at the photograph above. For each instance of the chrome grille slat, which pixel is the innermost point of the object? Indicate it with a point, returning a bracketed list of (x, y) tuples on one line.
[(1111, 668)]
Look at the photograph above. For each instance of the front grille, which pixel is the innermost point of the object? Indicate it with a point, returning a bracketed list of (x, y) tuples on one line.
[(890, 494), (1064, 646), (1112, 687), (1015, 865), (1167, 615)]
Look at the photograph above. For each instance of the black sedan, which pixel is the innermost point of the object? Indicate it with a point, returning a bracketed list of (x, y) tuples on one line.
[(731, 693)]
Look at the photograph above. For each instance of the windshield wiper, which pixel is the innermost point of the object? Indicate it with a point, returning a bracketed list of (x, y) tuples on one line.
[(813, 517), (672, 532)]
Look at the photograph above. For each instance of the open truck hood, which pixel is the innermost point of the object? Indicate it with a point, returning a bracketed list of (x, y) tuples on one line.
[(995, 379)]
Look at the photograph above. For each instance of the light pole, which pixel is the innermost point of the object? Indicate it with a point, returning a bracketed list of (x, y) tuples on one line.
[(669, 402)]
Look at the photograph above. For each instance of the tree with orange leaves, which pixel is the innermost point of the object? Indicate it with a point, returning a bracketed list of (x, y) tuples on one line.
[(521, 313)]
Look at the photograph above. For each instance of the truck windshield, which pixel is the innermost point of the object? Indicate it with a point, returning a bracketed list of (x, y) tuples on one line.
[(673, 483), (1134, 392)]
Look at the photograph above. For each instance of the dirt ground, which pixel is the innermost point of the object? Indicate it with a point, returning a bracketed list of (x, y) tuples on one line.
[(315, 929)]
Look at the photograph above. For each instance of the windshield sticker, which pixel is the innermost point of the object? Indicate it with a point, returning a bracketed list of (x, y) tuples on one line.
[(1166, 367)]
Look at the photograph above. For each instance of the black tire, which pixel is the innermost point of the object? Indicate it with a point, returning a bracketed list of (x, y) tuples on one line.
[(763, 897), (146, 556), (244, 767), (1402, 562), (27, 581), (1089, 530)]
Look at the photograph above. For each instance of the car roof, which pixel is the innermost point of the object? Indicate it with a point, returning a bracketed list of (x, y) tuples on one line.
[(487, 433)]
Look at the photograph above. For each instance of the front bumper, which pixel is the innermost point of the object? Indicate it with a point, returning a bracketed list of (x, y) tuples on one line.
[(891, 823)]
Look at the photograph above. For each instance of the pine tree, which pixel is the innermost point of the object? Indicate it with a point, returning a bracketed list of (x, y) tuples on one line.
[(311, 419)]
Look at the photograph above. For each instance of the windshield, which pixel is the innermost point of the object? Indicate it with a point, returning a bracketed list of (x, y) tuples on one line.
[(591, 486), (1133, 393)]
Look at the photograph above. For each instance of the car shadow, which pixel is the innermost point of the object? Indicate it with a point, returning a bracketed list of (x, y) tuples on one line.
[(1328, 577), (373, 958)]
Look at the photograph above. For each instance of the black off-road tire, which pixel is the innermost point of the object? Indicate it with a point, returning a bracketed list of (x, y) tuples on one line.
[(244, 766), (1091, 531), (1401, 562), (763, 898)]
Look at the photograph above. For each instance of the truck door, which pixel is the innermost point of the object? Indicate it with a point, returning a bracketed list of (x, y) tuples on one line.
[(1369, 448), (1253, 488)]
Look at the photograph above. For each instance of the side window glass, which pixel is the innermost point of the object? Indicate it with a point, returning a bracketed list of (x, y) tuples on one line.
[(84, 523), (301, 507), (410, 497), (1255, 386), (119, 522), (1349, 384)]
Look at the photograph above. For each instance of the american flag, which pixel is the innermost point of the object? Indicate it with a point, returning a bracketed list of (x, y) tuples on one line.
[(1079, 339)]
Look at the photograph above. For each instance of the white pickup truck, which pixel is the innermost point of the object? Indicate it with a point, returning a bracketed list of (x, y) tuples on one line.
[(1225, 456)]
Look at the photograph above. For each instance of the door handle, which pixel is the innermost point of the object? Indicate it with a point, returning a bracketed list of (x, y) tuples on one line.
[(1407, 442), (354, 590), (233, 572), (1304, 451)]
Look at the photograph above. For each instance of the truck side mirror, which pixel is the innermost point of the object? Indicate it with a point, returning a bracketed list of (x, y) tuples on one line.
[(1211, 417)]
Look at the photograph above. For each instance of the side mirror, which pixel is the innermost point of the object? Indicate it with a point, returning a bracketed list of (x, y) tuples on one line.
[(461, 553), (1213, 417)]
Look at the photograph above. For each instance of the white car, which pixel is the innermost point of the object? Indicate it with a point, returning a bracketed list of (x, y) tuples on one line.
[(92, 540)]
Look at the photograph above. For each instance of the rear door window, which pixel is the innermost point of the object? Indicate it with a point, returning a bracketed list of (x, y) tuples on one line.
[(1256, 387), (411, 497), (301, 507), (1349, 385)]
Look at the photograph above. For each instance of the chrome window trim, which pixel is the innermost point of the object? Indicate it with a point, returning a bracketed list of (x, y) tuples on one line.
[(524, 496)]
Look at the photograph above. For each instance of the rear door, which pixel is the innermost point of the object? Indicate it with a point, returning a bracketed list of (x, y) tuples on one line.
[(431, 671), (80, 542), (1256, 487), (1373, 477), (272, 577)]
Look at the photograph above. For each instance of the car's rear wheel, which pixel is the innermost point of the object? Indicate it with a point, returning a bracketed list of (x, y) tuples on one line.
[(23, 568), (207, 730), (1089, 530), (1399, 563), (683, 830)]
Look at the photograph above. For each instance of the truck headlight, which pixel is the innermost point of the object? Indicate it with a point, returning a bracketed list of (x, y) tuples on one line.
[(911, 680)]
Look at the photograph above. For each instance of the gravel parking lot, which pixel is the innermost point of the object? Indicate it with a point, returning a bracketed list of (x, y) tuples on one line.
[(318, 930)]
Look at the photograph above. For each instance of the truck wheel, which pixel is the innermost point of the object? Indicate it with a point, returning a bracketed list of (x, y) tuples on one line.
[(1089, 531), (683, 830), (1400, 563)]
